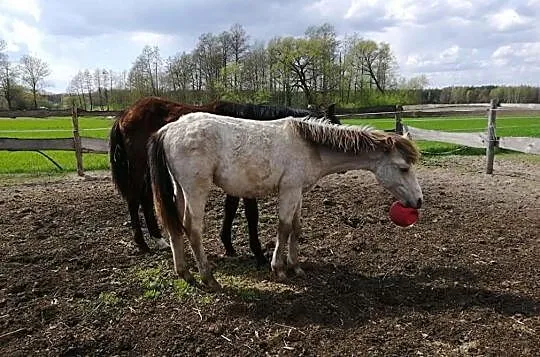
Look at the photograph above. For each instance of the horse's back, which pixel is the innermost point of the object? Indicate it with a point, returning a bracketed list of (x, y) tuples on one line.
[(246, 158)]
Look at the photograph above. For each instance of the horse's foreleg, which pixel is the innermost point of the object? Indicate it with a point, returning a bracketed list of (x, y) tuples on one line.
[(292, 257), (288, 203), (193, 224), (150, 217), (231, 206), (252, 216), (133, 206)]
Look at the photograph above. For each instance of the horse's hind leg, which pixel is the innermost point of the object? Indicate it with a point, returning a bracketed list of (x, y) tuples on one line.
[(193, 222), (133, 206), (292, 257), (252, 216), (176, 238), (289, 201), (231, 205), (150, 217)]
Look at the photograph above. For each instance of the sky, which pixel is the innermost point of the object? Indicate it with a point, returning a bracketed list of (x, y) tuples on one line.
[(454, 42)]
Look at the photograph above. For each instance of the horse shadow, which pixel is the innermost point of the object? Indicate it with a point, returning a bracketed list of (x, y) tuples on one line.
[(335, 295)]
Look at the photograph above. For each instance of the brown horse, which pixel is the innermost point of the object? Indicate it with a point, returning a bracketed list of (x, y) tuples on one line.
[(129, 136)]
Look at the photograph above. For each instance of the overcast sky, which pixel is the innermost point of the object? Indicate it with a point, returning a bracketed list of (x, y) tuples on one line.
[(454, 42)]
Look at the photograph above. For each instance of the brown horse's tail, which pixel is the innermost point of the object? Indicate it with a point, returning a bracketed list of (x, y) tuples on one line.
[(118, 159), (162, 186)]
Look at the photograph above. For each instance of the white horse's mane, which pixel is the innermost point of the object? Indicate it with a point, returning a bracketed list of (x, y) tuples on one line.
[(353, 138)]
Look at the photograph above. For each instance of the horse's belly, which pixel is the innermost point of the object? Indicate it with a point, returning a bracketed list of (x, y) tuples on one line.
[(248, 180)]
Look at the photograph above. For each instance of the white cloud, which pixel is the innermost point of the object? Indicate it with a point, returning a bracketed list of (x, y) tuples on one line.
[(19, 34), (507, 19), (21, 7), (152, 39)]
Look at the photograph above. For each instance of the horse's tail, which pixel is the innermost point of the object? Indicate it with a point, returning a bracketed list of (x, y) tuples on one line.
[(118, 159), (163, 186)]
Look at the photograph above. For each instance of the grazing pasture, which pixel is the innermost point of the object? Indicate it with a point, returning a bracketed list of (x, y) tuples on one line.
[(463, 281)]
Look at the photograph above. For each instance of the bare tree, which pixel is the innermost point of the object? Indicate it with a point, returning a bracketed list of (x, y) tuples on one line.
[(8, 76), (208, 58), (146, 71), (98, 82), (33, 73), (180, 74), (239, 46), (89, 86)]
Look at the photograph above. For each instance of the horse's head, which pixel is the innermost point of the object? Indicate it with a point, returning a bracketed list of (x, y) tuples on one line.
[(396, 173)]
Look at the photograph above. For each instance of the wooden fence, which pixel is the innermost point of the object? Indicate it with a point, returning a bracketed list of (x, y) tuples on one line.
[(488, 141), (77, 143)]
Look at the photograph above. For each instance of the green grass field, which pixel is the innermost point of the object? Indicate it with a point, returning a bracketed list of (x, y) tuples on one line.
[(34, 163)]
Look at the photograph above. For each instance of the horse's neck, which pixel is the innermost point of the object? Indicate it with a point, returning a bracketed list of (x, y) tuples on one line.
[(333, 161)]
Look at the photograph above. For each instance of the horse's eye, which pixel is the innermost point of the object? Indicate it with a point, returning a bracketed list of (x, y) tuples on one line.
[(404, 169)]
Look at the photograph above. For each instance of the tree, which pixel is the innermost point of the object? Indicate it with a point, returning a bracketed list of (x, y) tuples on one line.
[(296, 58), (239, 46), (180, 74), (33, 73), (146, 71), (373, 60), (8, 76), (208, 57)]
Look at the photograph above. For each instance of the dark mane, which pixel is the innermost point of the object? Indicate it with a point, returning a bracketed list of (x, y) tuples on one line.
[(267, 112), (345, 138)]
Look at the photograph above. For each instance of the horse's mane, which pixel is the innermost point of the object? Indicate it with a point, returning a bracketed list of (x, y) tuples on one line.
[(257, 112), (354, 139)]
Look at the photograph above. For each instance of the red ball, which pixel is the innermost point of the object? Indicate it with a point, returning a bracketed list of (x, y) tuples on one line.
[(403, 216)]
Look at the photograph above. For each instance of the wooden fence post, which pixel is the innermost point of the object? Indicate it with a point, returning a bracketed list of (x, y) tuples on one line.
[(492, 138), (398, 115), (77, 141)]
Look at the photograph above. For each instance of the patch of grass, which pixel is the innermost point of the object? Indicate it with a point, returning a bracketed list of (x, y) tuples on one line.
[(151, 294), (242, 286), (153, 281), (159, 281), (109, 298), (181, 288)]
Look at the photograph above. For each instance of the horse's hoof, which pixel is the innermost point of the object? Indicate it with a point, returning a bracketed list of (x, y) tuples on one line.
[(162, 244), (188, 277), (230, 253), (262, 262), (143, 249), (211, 283), (280, 275), (299, 272)]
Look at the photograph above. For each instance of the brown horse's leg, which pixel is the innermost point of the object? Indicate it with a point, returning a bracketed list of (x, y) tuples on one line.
[(133, 206), (150, 217), (231, 206), (252, 216)]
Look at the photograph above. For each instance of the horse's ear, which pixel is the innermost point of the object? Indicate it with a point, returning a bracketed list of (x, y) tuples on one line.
[(331, 109), (407, 135)]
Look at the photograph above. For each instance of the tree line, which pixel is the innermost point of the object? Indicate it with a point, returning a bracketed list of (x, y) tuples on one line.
[(316, 68)]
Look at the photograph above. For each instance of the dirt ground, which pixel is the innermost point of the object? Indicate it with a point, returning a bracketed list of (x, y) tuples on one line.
[(465, 280)]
